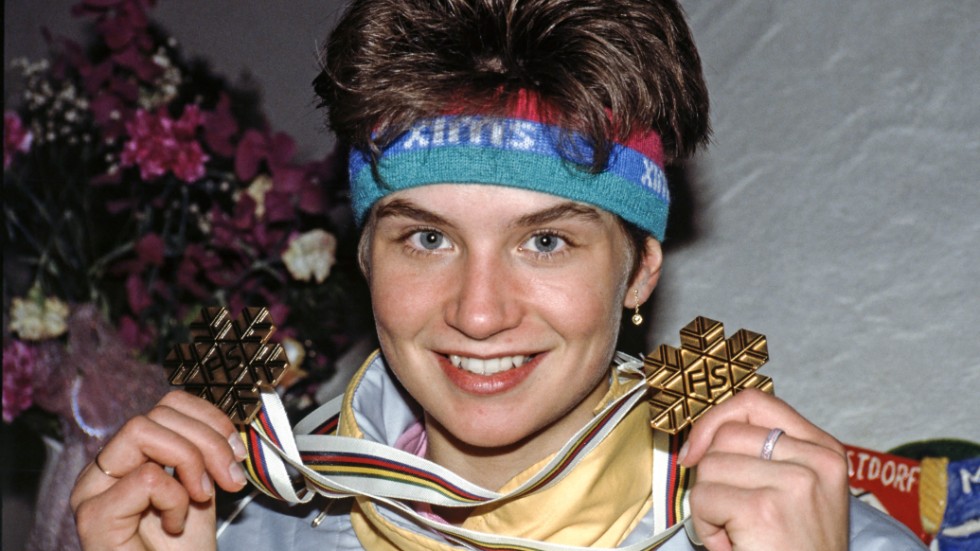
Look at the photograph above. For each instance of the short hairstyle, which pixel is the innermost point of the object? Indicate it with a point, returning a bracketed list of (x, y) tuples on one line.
[(602, 69)]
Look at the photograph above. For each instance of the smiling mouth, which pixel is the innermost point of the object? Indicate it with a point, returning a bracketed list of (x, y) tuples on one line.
[(488, 366)]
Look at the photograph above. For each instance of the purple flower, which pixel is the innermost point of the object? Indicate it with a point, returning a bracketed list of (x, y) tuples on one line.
[(220, 127), (123, 25), (18, 376), (276, 150), (110, 113), (137, 295), (196, 261), (150, 250), (16, 138), (159, 144), (134, 335)]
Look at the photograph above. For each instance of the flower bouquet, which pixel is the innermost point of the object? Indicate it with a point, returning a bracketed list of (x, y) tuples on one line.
[(140, 187)]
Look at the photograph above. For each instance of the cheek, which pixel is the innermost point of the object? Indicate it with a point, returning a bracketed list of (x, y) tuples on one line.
[(403, 299), (582, 307), (390, 305)]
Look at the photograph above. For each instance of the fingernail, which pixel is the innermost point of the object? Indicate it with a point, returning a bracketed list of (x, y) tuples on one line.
[(683, 452), (206, 485), (237, 473), (237, 446)]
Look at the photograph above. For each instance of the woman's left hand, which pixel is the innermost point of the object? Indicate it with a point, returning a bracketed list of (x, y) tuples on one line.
[(796, 500)]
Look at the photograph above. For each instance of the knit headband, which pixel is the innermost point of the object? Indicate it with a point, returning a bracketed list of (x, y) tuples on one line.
[(517, 151)]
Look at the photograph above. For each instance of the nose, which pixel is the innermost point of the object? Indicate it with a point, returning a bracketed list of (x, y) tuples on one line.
[(484, 300)]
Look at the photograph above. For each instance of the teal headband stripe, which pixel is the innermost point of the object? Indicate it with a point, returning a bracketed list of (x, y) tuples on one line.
[(513, 153)]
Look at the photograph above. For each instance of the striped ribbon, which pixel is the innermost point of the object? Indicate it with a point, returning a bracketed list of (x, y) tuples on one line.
[(339, 466)]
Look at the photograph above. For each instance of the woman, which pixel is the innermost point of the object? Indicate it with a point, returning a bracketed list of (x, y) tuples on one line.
[(507, 168)]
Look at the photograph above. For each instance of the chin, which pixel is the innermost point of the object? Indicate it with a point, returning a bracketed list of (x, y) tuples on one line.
[(500, 437)]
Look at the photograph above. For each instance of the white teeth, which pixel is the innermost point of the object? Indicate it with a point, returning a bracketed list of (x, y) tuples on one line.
[(489, 366)]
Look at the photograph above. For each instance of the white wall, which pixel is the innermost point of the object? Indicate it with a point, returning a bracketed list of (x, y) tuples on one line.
[(839, 208)]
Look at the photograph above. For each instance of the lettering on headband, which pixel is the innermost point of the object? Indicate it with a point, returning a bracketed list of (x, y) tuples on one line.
[(502, 133)]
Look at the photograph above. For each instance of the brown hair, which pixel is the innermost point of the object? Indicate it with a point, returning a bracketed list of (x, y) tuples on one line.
[(601, 68)]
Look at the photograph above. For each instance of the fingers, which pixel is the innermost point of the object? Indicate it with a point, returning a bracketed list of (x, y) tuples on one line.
[(718, 523), (805, 476), (183, 432), (794, 499), (781, 506), (129, 500), (757, 409), (744, 502), (147, 487), (171, 437), (748, 440)]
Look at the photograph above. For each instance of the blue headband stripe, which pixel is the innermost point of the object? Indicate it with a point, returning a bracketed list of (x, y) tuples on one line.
[(515, 153)]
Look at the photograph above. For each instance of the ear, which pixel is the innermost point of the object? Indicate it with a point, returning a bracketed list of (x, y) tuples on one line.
[(364, 253), (647, 274), (364, 246)]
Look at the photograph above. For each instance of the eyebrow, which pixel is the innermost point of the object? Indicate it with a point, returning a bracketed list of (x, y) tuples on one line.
[(408, 209), (567, 209)]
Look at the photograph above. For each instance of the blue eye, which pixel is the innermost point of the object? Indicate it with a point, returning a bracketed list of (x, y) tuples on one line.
[(430, 240), (544, 243)]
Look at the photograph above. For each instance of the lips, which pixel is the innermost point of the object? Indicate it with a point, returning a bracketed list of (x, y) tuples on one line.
[(488, 375), (488, 366)]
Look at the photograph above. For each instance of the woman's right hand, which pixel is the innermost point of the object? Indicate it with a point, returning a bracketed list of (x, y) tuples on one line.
[(138, 505)]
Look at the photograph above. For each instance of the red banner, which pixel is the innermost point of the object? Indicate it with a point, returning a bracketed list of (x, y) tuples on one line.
[(888, 482)]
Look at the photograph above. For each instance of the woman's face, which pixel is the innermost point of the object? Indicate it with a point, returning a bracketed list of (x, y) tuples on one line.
[(498, 308)]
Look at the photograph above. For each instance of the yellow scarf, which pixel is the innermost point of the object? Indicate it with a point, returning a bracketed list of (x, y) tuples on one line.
[(597, 504)]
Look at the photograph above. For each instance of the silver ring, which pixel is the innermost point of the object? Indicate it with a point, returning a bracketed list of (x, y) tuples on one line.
[(103, 469), (770, 443)]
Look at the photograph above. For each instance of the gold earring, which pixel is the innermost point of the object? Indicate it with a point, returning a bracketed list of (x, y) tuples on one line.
[(637, 318)]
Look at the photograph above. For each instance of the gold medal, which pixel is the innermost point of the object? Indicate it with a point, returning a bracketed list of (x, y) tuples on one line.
[(706, 370), (229, 361)]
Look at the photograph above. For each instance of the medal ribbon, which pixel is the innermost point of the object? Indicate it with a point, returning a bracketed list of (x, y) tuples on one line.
[(339, 467)]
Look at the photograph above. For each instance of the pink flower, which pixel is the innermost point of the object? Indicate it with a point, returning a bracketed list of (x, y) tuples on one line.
[(185, 128), (159, 144), (151, 144), (16, 138), (188, 164), (18, 376)]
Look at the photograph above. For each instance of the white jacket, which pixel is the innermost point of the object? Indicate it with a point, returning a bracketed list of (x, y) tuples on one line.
[(265, 524)]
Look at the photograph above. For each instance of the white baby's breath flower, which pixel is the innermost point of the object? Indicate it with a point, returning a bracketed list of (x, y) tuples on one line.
[(311, 254), (38, 319), (257, 190)]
